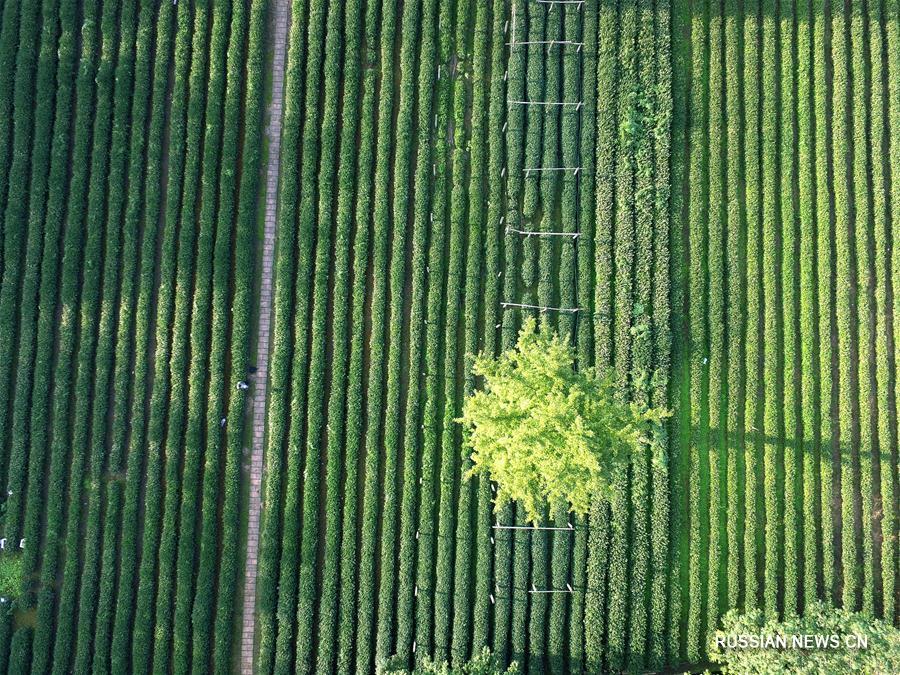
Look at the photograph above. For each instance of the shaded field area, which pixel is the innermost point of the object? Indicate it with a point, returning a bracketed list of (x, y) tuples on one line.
[(130, 148), (784, 385)]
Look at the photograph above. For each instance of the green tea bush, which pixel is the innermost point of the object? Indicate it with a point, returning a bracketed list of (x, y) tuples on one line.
[(10, 575), (483, 664)]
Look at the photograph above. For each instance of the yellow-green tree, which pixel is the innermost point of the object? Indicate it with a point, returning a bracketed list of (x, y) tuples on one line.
[(546, 433)]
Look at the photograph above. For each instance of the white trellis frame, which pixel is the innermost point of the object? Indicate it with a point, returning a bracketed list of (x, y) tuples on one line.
[(510, 230), (541, 233)]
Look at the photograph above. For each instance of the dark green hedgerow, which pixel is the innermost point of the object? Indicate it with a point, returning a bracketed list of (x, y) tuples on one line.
[(661, 553), (91, 342), (9, 40), (41, 263), (792, 460), (624, 301), (450, 433), (393, 411), (495, 320), (772, 408), (375, 393), (222, 384), (429, 468), (881, 449), (753, 406), (68, 333), (113, 357), (824, 258), (888, 482), (508, 615), (464, 572), (718, 489), (841, 159), (307, 591), (296, 565), (39, 266), (680, 398), (354, 404), (525, 151), (735, 304), (585, 155), (490, 36), (134, 318), (697, 210), (412, 424), (542, 621), (129, 618), (328, 619), (808, 327), (191, 311), (204, 352), (602, 39), (15, 214), (864, 358), (162, 440), (642, 340)]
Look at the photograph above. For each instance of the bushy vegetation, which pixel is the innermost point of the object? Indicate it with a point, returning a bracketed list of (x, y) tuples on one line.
[(707, 208), (848, 642), (11, 576), (484, 663), (692, 275), (106, 129)]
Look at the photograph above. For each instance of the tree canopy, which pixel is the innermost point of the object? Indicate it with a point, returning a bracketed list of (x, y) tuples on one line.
[(545, 432)]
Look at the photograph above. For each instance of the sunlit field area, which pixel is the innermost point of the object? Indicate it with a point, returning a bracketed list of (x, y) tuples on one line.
[(250, 250)]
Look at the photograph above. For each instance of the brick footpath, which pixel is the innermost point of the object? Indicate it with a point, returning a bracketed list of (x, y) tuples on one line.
[(260, 379)]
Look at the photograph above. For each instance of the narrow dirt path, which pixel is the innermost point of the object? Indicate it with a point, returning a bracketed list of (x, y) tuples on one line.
[(273, 131)]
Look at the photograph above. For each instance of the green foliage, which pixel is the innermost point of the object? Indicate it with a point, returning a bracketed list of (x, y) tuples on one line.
[(130, 105), (316, 417), (752, 404), (545, 432), (414, 395), (458, 225), (11, 575), (218, 437), (128, 241), (137, 287), (133, 610), (339, 363), (399, 217), (881, 655), (214, 222), (824, 285), (62, 370), (470, 635), (193, 251), (354, 403), (843, 300), (90, 333), (484, 663), (375, 392)]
